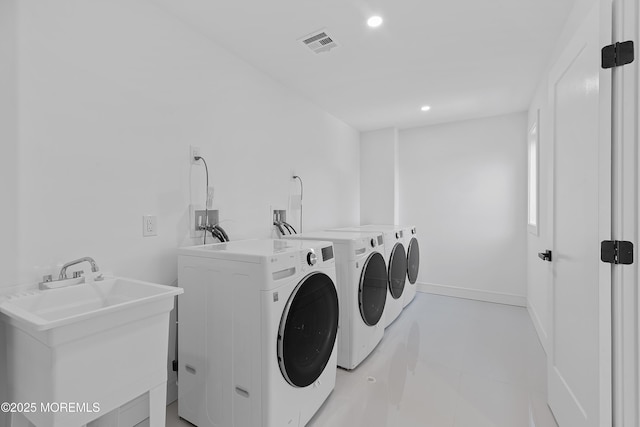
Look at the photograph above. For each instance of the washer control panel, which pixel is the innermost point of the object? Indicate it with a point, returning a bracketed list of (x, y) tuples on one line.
[(327, 253), (366, 245)]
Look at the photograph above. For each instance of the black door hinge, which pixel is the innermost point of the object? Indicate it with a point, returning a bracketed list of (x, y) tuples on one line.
[(616, 252), (618, 54), (174, 366)]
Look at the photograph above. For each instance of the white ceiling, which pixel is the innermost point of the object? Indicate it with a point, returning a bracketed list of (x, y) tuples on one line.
[(464, 58)]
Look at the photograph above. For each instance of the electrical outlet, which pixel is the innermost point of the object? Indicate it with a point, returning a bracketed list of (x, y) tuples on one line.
[(149, 225), (193, 153)]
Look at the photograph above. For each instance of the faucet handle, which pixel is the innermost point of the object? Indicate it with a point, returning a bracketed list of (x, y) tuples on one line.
[(77, 274), (47, 278)]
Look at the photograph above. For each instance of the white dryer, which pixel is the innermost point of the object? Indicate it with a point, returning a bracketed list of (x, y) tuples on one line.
[(257, 332), (396, 258), (413, 262), (362, 288)]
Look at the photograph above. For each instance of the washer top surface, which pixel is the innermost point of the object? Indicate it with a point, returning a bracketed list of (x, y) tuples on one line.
[(376, 227), (335, 236), (253, 249)]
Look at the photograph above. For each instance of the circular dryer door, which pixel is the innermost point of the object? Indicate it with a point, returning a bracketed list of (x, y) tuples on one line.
[(372, 292), (308, 330), (413, 260), (397, 270)]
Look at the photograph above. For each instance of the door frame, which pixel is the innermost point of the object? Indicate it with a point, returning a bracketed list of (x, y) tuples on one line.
[(626, 222)]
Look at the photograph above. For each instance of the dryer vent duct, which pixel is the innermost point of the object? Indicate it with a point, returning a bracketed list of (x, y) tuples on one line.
[(319, 41)]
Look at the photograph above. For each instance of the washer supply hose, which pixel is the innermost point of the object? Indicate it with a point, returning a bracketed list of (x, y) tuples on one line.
[(222, 232), (279, 228), (289, 227)]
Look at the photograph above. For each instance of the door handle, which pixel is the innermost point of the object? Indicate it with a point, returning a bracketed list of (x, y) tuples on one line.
[(545, 256)]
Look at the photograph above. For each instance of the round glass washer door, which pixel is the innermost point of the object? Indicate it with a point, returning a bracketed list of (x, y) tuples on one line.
[(397, 270), (413, 260), (372, 291), (308, 329)]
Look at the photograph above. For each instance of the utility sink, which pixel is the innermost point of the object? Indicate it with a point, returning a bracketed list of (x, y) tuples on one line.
[(42, 310), (98, 345)]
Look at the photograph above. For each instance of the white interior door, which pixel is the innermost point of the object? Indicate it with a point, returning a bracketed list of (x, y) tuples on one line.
[(580, 348)]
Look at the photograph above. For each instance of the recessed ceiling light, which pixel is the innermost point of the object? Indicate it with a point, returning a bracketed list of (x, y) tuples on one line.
[(374, 21), (425, 108)]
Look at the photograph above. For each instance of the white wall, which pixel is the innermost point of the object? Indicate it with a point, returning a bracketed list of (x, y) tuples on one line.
[(8, 163), (379, 177), (111, 95), (463, 185), (105, 124), (8, 139), (539, 272)]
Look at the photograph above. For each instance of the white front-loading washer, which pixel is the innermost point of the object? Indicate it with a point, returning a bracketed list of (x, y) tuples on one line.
[(396, 258), (258, 322), (361, 276)]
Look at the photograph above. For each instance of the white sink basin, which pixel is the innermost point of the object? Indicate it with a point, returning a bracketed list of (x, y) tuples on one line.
[(46, 309), (102, 342)]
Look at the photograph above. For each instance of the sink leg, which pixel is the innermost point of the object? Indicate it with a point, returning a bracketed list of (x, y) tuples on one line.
[(158, 405), (19, 420)]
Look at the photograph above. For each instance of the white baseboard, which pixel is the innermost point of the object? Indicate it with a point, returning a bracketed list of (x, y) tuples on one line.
[(537, 324), (475, 294)]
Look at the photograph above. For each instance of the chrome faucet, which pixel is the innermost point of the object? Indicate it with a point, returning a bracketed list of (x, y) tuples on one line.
[(63, 271), (62, 281)]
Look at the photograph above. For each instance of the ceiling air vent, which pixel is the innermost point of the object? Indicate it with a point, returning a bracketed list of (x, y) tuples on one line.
[(319, 41)]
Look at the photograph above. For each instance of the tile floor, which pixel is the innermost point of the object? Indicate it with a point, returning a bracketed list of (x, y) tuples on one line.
[(446, 362)]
